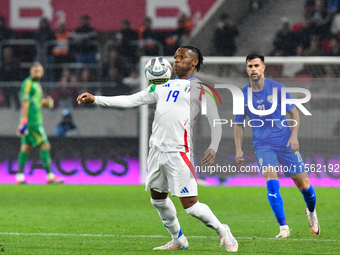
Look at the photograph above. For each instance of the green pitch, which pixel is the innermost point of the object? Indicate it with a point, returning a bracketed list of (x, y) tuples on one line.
[(121, 220)]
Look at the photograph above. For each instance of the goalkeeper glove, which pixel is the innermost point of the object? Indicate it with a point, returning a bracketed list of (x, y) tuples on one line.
[(22, 128), (48, 102)]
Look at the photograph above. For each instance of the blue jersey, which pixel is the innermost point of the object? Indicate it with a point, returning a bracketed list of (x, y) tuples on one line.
[(267, 132)]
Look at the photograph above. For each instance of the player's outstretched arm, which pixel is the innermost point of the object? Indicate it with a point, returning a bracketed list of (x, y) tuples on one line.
[(85, 98), (238, 136), (293, 139), (209, 157), (143, 97)]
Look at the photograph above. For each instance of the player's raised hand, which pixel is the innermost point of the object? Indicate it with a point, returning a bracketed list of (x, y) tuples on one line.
[(209, 157), (239, 157), (85, 98), (293, 141)]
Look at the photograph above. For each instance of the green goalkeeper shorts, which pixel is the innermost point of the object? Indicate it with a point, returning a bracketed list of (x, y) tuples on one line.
[(36, 136)]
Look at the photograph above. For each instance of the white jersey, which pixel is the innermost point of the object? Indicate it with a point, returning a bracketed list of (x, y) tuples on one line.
[(178, 104)]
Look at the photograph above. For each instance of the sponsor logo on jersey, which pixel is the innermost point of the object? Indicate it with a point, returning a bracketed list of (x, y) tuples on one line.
[(260, 101), (166, 85)]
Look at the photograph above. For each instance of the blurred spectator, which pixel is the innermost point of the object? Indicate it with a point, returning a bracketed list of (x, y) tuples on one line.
[(66, 127), (128, 41), (299, 51), (147, 38), (224, 37), (284, 40), (304, 33), (314, 48), (335, 48), (83, 41), (177, 36), (332, 5), (9, 71), (61, 49), (132, 81), (321, 19), (291, 69), (116, 61), (335, 25), (64, 93), (255, 5), (43, 35), (309, 6), (329, 71), (5, 32), (114, 84)]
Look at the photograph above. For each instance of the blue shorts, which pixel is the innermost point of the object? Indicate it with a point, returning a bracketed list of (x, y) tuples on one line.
[(271, 156)]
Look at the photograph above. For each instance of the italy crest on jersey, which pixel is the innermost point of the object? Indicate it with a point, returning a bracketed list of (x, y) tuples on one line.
[(187, 88), (270, 99)]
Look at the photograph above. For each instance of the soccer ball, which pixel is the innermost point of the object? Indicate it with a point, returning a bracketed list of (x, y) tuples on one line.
[(158, 70)]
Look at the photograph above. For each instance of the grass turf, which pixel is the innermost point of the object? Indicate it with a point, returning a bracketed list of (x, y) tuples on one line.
[(39, 219)]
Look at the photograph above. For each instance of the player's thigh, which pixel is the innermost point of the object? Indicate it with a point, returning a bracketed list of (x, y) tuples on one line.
[(292, 164), (181, 174), (36, 136), (268, 162), (155, 176)]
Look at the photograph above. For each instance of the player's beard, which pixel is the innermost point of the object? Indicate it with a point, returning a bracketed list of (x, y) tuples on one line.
[(257, 79)]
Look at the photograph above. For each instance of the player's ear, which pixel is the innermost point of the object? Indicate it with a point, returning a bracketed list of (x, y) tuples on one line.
[(195, 62), (264, 67)]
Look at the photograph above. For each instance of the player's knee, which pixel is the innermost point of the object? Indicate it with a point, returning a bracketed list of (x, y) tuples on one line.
[(303, 184), (45, 146), (159, 203), (25, 148), (188, 202)]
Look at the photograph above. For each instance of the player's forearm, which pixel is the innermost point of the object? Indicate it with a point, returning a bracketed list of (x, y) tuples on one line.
[(117, 101), (295, 116), (216, 135), (216, 129), (238, 137), (24, 109)]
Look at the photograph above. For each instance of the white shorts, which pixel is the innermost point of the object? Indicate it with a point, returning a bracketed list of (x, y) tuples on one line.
[(171, 171)]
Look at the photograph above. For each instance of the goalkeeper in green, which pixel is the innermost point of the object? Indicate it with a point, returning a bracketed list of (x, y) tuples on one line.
[(31, 127)]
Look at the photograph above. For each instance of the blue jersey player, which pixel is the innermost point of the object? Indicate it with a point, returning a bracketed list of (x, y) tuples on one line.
[(274, 143)]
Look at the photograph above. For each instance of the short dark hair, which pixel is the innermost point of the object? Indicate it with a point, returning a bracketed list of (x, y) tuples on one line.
[(252, 56), (224, 16), (85, 17), (198, 53)]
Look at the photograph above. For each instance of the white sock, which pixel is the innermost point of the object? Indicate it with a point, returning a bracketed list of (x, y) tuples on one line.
[(20, 177), (203, 213), (50, 176), (167, 211), (284, 227)]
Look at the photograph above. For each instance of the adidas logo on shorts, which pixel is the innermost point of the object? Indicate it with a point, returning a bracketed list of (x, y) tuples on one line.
[(184, 190)]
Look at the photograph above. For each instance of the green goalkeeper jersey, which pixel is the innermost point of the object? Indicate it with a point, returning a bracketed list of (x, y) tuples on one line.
[(31, 92)]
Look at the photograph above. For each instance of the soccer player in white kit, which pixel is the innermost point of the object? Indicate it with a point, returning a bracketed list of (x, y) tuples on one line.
[(178, 103)]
